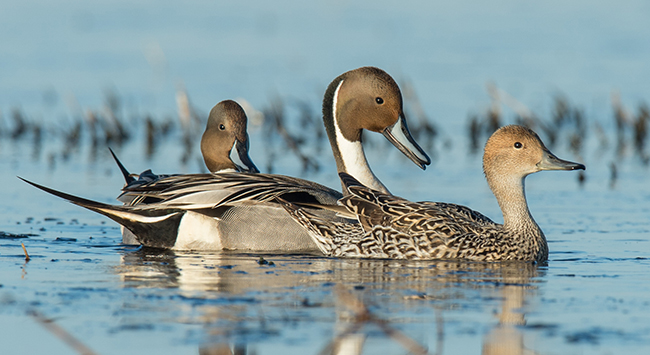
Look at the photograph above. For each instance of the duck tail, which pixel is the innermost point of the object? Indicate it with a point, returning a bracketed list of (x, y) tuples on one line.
[(140, 222), (127, 176)]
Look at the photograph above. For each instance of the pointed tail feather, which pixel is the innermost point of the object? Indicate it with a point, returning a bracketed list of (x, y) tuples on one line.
[(127, 176), (152, 226)]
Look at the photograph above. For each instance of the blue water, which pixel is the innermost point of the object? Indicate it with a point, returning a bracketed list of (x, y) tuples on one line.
[(58, 60)]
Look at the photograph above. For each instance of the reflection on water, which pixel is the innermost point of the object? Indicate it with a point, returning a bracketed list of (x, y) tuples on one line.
[(236, 298), (505, 338)]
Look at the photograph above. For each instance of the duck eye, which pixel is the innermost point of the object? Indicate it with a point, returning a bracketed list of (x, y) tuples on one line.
[(518, 145), (379, 100), (222, 127)]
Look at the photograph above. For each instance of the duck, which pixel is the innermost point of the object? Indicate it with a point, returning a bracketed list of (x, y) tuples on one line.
[(389, 227), (238, 210)]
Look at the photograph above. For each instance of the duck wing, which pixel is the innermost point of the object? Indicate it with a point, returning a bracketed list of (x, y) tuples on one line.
[(197, 191)]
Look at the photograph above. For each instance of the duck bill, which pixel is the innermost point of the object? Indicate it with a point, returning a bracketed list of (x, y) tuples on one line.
[(551, 162), (400, 136), (241, 158)]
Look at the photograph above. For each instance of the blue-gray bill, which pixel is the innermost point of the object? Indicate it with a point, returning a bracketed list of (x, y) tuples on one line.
[(241, 158), (401, 137), (551, 162)]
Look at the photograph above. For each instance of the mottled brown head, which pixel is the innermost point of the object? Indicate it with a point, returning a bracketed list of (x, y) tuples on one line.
[(516, 151), (226, 128)]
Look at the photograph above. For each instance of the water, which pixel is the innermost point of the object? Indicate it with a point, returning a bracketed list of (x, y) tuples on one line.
[(591, 297)]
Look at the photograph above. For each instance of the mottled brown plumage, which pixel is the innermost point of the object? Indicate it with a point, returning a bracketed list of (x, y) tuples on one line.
[(392, 227)]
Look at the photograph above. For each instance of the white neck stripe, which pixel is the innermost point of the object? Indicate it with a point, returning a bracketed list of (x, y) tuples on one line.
[(352, 155)]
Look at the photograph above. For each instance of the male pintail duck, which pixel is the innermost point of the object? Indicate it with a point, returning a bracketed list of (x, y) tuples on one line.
[(394, 228), (238, 210)]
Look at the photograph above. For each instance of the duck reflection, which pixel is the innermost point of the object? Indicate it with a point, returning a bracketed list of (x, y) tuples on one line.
[(241, 298), (506, 337)]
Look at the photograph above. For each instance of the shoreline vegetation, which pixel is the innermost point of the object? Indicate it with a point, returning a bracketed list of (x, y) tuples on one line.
[(295, 125)]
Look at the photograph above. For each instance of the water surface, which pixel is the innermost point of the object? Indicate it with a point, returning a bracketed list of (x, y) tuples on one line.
[(591, 296)]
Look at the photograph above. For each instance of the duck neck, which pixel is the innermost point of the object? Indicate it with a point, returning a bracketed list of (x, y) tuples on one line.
[(349, 154), (215, 160), (517, 220), (217, 166)]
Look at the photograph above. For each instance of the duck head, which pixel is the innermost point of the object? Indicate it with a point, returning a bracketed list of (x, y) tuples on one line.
[(516, 151), (225, 139), (369, 98)]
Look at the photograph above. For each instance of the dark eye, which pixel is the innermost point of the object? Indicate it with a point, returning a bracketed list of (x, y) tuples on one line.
[(222, 127), (379, 100), (518, 145)]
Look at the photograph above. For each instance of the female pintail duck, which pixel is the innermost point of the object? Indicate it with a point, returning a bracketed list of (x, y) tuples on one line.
[(392, 227), (239, 210), (224, 146)]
